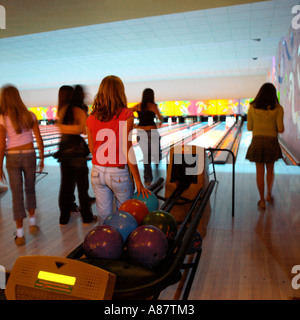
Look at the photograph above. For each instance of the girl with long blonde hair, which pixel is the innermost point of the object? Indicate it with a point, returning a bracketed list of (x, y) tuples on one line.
[(109, 130), (17, 124)]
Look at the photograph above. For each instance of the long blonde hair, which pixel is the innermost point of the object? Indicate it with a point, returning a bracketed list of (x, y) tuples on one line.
[(110, 99), (11, 105)]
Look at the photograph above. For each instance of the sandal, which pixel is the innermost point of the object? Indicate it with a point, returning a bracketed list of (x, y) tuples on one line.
[(270, 199), (261, 205)]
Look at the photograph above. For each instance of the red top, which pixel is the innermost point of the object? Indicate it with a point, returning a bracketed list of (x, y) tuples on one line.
[(107, 137)]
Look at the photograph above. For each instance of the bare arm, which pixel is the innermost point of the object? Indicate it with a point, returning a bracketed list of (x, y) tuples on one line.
[(40, 143), (2, 152), (157, 113), (135, 108), (279, 120), (249, 120), (132, 159), (154, 108), (90, 141)]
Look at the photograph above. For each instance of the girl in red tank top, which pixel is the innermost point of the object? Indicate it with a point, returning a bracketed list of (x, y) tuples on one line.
[(109, 129)]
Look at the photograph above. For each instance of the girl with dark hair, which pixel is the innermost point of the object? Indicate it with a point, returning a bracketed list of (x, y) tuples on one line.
[(147, 133), (72, 155), (78, 98), (265, 120)]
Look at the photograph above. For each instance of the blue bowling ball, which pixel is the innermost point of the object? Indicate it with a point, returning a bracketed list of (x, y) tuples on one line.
[(151, 202), (196, 244), (123, 221)]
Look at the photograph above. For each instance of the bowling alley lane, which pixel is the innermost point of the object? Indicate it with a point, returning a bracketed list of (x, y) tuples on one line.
[(250, 256), (211, 138), (173, 136)]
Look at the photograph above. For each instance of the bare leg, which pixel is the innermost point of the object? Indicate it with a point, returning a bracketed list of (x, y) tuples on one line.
[(270, 180), (19, 223), (260, 181), (31, 213)]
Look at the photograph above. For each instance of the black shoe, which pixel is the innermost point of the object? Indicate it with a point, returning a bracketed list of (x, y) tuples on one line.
[(93, 219), (75, 208), (92, 200), (63, 221)]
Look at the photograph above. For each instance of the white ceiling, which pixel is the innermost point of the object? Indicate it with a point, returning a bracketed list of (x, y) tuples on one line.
[(197, 44)]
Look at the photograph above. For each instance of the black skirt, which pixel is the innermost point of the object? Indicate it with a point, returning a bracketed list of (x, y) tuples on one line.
[(264, 149)]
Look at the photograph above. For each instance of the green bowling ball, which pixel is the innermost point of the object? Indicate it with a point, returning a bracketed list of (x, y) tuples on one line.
[(163, 221)]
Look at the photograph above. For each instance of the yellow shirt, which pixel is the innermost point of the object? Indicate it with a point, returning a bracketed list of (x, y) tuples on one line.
[(265, 122)]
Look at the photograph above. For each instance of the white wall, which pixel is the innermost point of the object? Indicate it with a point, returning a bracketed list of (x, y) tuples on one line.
[(198, 89), (165, 90)]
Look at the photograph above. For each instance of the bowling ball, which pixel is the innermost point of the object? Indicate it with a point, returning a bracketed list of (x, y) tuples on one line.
[(103, 242), (136, 208), (163, 221), (196, 243), (147, 245), (151, 202), (123, 221)]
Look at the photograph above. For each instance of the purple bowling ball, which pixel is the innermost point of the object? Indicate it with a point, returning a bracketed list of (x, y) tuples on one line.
[(147, 245), (123, 221), (103, 242)]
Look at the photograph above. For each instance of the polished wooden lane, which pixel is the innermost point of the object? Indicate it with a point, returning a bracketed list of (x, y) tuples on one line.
[(249, 256)]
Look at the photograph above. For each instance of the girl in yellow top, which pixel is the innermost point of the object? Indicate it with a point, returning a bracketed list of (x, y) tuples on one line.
[(265, 120)]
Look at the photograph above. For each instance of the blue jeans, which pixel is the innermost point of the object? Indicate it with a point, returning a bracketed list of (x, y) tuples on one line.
[(110, 182), (17, 165)]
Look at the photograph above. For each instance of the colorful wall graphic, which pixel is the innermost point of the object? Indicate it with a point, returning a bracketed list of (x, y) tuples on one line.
[(244, 105), (285, 74), (225, 107), (204, 107), (173, 108), (45, 113), (177, 108)]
